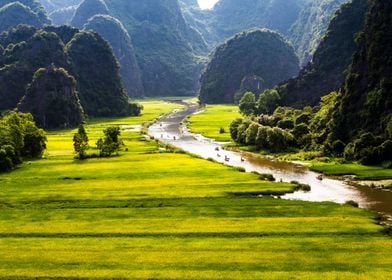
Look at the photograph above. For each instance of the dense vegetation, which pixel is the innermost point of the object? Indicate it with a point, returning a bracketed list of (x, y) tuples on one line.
[(100, 89), (363, 118), (114, 32), (325, 73), (19, 138), (259, 52), (52, 99), (23, 58)]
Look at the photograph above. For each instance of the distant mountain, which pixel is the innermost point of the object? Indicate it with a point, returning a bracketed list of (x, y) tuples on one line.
[(88, 9), (63, 15), (165, 45), (34, 5), (114, 32), (260, 53), (311, 25), (325, 73), (53, 5), (16, 13), (233, 16)]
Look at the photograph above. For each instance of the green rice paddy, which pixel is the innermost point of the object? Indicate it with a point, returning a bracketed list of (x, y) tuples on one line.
[(212, 119), (151, 214)]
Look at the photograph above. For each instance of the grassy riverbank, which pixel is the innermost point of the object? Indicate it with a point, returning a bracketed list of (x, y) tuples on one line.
[(209, 122), (153, 214)]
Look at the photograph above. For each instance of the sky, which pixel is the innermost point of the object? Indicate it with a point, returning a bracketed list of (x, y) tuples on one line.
[(207, 4)]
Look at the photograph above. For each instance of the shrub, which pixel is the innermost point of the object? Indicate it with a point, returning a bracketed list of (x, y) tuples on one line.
[(267, 177), (111, 143), (286, 124), (221, 130), (352, 203), (234, 128), (251, 133)]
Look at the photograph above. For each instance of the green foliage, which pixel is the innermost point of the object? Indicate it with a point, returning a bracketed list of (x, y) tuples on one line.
[(325, 72), (97, 72), (247, 54), (19, 137), (80, 142), (363, 112), (248, 104), (268, 101), (111, 143), (52, 99)]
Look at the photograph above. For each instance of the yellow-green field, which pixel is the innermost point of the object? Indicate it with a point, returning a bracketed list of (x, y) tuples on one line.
[(214, 117), (149, 214)]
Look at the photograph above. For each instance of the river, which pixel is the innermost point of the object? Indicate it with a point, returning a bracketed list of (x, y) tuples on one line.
[(171, 130)]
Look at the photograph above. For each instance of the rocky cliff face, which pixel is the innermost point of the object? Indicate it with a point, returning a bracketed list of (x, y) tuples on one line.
[(325, 73), (261, 53), (311, 25), (52, 99), (114, 32)]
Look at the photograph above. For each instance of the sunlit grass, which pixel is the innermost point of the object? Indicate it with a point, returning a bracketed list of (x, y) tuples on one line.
[(150, 214), (361, 172), (212, 119)]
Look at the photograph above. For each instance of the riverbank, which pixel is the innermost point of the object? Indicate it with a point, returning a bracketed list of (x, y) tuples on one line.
[(221, 116)]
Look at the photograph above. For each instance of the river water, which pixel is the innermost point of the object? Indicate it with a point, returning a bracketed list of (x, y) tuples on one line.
[(170, 130)]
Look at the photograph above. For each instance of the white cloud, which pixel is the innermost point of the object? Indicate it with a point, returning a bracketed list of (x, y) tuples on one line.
[(207, 4)]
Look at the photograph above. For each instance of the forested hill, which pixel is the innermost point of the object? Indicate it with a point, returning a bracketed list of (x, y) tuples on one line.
[(366, 103), (260, 54), (325, 73)]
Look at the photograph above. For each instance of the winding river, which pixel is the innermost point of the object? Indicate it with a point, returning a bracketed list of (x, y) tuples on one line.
[(170, 130)]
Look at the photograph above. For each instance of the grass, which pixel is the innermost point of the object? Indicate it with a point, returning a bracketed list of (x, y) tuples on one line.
[(360, 172), (148, 215), (215, 117)]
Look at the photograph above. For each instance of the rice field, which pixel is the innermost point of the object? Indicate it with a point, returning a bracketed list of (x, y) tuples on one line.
[(154, 214), (212, 119)]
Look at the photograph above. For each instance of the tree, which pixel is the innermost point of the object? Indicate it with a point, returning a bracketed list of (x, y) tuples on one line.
[(80, 140), (248, 104), (268, 101), (111, 143)]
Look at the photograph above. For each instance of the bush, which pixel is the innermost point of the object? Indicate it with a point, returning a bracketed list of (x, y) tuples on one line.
[(261, 137), (111, 143), (234, 128), (286, 124), (251, 133), (267, 177), (338, 147), (221, 130), (352, 203)]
